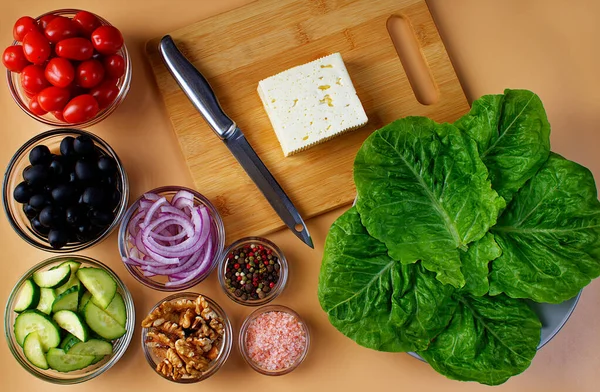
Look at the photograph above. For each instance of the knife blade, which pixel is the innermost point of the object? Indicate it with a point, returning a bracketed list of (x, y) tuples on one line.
[(198, 90)]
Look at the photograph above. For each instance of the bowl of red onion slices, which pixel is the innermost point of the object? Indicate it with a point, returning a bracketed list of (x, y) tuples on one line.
[(171, 238)]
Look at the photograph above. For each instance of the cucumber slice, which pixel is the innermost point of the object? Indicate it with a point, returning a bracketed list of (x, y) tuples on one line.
[(98, 282), (47, 297), (84, 300), (101, 323), (63, 362), (70, 322), (72, 282), (52, 278), (68, 341), (32, 348), (97, 359), (29, 296), (67, 300), (93, 347), (116, 309), (36, 321), (71, 263)]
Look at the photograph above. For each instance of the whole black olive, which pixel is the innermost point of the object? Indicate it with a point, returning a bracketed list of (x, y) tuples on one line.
[(39, 201), (38, 227), (101, 218), (36, 175), (84, 145), (52, 217), (85, 170), (29, 211), (58, 238), (57, 167), (66, 146), (74, 215), (109, 181), (115, 199), (72, 177), (85, 232), (64, 194), (93, 196), (107, 165), (40, 155), (22, 193)]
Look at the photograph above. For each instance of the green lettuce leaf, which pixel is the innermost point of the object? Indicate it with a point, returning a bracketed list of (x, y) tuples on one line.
[(425, 193), (378, 302), (549, 235), (489, 340), (475, 265), (513, 137)]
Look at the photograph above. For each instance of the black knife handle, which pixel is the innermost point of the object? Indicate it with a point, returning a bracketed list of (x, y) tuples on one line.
[(196, 87)]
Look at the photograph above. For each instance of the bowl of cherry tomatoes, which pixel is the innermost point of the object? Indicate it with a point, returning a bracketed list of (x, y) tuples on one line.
[(67, 68)]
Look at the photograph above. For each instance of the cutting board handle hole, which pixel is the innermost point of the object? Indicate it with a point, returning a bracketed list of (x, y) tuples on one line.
[(414, 64)]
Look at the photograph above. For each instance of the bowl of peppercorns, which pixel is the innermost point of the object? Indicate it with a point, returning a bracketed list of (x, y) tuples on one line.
[(253, 271)]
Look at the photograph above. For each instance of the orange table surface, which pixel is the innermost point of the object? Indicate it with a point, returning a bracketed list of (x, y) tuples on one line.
[(550, 47)]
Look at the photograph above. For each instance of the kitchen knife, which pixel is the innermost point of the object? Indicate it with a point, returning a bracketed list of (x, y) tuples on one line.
[(199, 92)]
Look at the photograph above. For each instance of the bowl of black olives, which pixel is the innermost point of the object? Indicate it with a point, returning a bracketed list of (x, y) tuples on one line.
[(65, 190)]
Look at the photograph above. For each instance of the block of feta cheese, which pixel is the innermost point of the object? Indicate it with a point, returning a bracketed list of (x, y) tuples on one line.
[(311, 103)]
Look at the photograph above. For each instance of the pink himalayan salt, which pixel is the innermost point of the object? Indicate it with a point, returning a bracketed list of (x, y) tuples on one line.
[(275, 340)]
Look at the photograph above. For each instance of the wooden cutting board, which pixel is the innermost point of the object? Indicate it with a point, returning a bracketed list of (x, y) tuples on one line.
[(236, 49)]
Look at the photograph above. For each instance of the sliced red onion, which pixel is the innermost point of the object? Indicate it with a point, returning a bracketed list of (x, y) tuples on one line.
[(199, 270)]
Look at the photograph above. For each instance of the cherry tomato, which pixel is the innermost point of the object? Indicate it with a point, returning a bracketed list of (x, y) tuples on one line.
[(89, 73), (60, 72), (35, 107), (114, 65), (107, 39), (86, 22), (79, 49), (14, 58), (33, 79), (105, 93), (59, 116), (24, 25), (53, 98), (44, 20), (109, 80), (77, 90), (80, 109), (60, 28), (29, 94), (36, 47)]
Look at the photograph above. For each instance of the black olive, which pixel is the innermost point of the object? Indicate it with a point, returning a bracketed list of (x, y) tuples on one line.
[(66, 146), (52, 217), (115, 199), (40, 155), (93, 196), (72, 177), (57, 167), (36, 175), (74, 215), (39, 201), (22, 193), (101, 218), (85, 170), (58, 238), (84, 145), (29, 211), (107, 165), (38, 227), (64, 194), (85, 232)]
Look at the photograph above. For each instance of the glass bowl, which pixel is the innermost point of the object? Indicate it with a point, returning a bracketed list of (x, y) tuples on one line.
[(244, 331), (159, 282), (22, 100), (119, 346), (245, 244), (13, 176), (225, 345)]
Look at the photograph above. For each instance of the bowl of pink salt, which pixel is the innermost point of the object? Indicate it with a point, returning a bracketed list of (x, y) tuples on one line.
[(274, 340)]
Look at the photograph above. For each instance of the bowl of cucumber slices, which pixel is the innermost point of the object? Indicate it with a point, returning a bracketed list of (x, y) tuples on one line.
[(69, 319)]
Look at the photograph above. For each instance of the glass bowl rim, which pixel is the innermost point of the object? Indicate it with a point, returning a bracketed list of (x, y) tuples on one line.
[(283, 276), (220, 234), (115, 357), (36, 140), (225, 348)]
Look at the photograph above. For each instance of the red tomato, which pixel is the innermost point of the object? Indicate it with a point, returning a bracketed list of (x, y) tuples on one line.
[(107, 39), (33, 79), (35, 107), (44, 20), (59, 116), (81, 109), (89, 73), (79, 49), (14, 58), (36, 47), (114, 65), (60, 28), (53, 98), (29, 94), (105, 93), (113, 81), (86, 22), (24, 25), (60, 72)]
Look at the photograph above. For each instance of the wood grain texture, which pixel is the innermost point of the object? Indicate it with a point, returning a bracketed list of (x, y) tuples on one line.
[(236, 49)]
